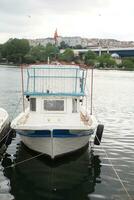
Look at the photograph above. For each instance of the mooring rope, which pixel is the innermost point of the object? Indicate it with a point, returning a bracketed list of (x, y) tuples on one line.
[(14, 164), (16, 107), (5, 135), (10, 130), (115, 171), (117, 175), (26, 160)]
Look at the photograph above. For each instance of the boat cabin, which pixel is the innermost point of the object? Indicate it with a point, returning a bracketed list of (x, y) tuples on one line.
[(55, 89)]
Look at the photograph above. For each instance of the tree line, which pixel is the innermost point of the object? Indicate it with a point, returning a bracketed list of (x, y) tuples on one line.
[(18, 51)]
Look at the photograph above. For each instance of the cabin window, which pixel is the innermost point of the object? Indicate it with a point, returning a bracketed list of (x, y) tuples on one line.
[(33, 104), (74, 105), (54, 105)]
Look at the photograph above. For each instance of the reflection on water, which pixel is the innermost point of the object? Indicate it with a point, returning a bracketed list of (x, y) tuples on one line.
[(73, 177), (114, 107)]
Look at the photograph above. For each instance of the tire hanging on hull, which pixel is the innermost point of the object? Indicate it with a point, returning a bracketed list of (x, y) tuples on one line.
[(98, 136)]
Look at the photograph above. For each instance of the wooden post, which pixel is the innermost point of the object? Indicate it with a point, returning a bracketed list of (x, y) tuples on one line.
[(22, 88)]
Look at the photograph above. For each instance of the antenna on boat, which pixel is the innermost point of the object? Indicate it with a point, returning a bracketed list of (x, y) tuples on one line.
[(92, 80), (22, 88)]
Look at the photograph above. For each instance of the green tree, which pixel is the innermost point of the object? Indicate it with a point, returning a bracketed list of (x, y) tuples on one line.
[(0, 56), (1, 52), (28, 58), (90, 58), (105, 60), (128, 64), (36, 53), (78, 46), (67, 55), (78, 60), (14, 50), (51, 51), (63, 45)]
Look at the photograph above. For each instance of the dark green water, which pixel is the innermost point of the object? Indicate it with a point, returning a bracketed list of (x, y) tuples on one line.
[(84, 175)]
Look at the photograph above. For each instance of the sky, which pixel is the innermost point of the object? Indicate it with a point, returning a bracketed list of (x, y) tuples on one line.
[(31, 19)]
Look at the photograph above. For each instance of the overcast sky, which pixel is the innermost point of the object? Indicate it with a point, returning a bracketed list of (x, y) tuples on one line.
[(85, 18)]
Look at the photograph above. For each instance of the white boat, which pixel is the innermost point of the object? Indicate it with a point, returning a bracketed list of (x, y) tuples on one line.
[(55, 121), (4, 122)]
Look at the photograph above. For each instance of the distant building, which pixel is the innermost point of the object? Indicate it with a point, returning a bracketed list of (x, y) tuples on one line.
[(84, 42), (42, 41)]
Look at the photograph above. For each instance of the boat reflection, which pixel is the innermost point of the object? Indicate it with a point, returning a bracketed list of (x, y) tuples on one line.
[(71, 177), (6, 141)]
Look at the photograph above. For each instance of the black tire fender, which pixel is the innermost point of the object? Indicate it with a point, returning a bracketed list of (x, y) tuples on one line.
[(98, 135)]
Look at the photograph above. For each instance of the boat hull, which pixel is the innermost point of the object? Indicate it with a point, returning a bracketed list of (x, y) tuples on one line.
[(54, 144), (4, 124)]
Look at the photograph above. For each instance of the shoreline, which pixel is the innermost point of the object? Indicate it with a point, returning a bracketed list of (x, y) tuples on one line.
[(106, 69)]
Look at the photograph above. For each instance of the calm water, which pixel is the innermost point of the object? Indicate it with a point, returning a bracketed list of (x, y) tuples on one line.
[(83, 175)]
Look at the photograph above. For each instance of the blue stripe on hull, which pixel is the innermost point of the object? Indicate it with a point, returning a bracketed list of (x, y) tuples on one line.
[(56, 133)]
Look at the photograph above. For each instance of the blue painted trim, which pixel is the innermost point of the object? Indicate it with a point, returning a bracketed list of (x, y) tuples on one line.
[(53, 94), (56, 134), (39, 133)]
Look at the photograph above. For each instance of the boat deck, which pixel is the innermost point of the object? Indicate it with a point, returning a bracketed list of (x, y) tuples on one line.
[(60, 121)]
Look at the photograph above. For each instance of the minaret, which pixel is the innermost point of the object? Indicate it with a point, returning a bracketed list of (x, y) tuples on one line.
[(56, 37)]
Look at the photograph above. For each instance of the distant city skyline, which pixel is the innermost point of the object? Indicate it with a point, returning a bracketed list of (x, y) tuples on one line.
[(108, 19), (81, 42)]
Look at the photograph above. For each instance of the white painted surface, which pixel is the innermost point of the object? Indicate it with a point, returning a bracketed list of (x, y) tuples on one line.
[(48, 120), (66, 119), (42, 120), (55, 147), (4, 119)]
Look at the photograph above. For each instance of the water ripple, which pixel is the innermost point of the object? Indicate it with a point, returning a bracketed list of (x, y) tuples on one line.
[(83, 176)]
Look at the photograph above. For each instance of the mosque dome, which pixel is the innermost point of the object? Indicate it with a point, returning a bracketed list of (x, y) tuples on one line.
[(115, 55)]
